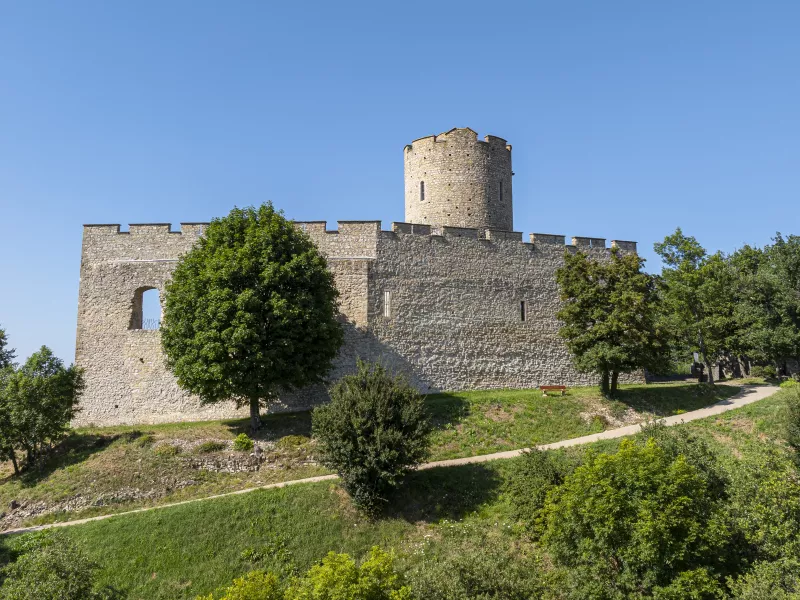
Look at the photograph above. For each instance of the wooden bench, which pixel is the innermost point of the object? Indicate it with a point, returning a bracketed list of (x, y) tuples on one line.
[(553, 388)]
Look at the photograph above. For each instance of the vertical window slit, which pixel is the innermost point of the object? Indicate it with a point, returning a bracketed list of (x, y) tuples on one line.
[(522, 314)]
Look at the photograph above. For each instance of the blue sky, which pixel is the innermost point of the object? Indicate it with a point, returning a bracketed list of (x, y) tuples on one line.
[(627, 119)]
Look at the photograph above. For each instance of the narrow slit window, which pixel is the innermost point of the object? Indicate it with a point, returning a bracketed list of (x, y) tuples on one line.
[(387, 304), (422, 191), (501, 193), (522, 313)]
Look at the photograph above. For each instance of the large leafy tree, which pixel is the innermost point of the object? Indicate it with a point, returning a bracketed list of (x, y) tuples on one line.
[(610, 316), (37, 402), (699, 297), (768, 310), (251, 310)]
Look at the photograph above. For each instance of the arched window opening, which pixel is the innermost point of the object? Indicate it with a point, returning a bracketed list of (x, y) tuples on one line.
[(146, 309), (422, 191)]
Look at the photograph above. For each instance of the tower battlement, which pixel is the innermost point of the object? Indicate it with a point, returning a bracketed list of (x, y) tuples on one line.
[(456, 180)]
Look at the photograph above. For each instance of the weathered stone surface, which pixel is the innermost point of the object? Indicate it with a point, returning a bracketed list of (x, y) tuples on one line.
[(440, 301)]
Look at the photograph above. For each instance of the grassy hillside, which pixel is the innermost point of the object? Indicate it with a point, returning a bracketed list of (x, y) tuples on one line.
[(103, 470)]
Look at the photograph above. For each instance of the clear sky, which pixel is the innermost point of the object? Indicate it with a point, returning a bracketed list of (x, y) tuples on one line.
[(627, 119)]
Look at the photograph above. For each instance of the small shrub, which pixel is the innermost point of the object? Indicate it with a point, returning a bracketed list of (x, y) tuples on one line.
[(211, 446), (372, 433), (166, 450), (790, 383), (289, 442), (338, 577), (256, 585), (483, 569), (145, 441), (49, 567), (766, 371), (243, 443), (535, 473), (793, 423)]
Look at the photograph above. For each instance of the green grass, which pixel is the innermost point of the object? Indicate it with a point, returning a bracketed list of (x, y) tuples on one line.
[(184, 551), (473, 423), (98, 470)]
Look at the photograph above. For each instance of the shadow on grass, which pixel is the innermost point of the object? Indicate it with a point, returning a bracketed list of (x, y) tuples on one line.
[(74, 449), (444, 493), (274, 426), (666, 400), (446, 409)]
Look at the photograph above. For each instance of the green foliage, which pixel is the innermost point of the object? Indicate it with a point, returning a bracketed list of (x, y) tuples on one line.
[(765, 503), (790, 383), (631, 523), (167, 450), (338, 578), (372, 433), (145, 440), (699, 297), (768, 307), (243, 443), (256, 585), (37, 402), (793, 423), (766, 371), (609, 316), (777, 580), (681, 441), (535, 473), (49, 567), (251, 310), (475, 569), (292, 441), (6, 354), (211, 446)]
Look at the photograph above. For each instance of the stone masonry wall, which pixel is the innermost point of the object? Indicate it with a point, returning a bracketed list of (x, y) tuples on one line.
[(453, 320), (467, 182)]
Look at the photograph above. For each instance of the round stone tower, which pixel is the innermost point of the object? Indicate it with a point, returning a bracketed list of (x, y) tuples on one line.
[(454, 179)]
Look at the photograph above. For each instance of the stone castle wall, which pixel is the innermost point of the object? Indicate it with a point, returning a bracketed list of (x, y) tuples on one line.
[(453, 320), (467, 182)]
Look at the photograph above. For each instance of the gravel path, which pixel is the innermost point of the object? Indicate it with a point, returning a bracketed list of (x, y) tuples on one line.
[(747, 395)]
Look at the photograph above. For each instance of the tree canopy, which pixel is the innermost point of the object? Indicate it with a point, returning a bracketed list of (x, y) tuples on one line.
[(610, 316), (251, 310)]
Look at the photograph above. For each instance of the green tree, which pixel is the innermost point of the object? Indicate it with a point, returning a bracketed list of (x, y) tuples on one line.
[(699, 297), (6, 354), (768, 309), (372, 433), (37, 402), (638, 523), (251, 310), (610, 316)]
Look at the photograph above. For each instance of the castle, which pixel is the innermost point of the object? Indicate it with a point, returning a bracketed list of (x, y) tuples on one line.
[(453, 297)]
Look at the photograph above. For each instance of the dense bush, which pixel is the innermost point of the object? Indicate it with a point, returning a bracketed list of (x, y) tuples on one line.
[(635, 522), (534, 474), (793, 423), (767, 371), (765, 503), (778, 580), (475, 569), (337, 577), (243, 443), (48, 567), (211, 446), (372, 433), (681, 441), (256, 585)]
